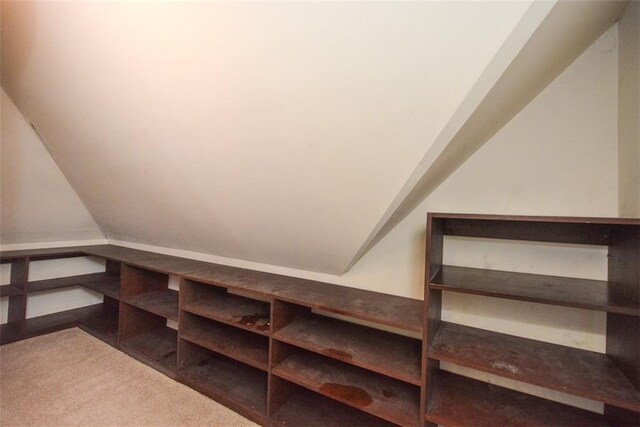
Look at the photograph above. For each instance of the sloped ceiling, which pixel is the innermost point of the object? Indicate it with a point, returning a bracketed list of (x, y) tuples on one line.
[(271, 132)]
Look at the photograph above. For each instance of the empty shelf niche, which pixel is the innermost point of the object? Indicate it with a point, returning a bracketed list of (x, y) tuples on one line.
[(383, 352), (232, 383), (379, 395), (238, 344), (149, 290), (146, 337), (298, 406), (217, 303)]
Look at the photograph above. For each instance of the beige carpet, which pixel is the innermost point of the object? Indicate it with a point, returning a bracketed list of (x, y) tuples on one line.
[(71, 378)]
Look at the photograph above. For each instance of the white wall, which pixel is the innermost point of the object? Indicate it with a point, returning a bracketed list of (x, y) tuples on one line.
[(629, 111), (37, 204)]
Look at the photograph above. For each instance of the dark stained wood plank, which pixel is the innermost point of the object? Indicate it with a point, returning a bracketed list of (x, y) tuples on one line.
[(247, 347), (383, 352), (10, 290), (563, 291), (110, 289), (243, 279), (579, 372), (532, 218), (456, 401), (64, 282), (10, 332), (43, 253), (156, 348), (390, 399), (234, 384), (163, 303), (391, 310), (216, 304), (171, 265), (306, 408)]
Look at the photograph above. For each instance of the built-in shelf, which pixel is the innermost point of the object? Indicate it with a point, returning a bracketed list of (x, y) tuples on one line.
[(110, 289), (247, 347), (390, 310), (583, 373), (65, 282), (57, 321), (383, 352), (235, 384), (10, 290), (157, 347), (303, 407), (458, 401), (564, 291), (389, 399), (102, 323), (217, 304), (163, 303)]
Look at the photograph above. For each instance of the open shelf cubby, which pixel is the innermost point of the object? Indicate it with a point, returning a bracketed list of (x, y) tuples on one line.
[(379, 395), (299, 406), (245, 346), (612, 377), (220, 304), (390, 354), (237, 385)]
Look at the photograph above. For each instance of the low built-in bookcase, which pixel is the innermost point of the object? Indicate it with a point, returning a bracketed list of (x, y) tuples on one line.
[(293, 352), (262, 344)]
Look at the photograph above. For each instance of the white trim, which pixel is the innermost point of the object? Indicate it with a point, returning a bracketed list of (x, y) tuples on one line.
[(44, 245)]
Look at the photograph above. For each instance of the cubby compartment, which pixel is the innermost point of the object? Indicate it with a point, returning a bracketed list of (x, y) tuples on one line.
[(102, 321), (298, 406), (219, 304), (149, 290), (145, 336), (15, 292), (390, 354), (379, 395), (237, 385), (238, 344)]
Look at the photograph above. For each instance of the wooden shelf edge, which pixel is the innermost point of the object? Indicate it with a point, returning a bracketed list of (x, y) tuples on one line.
[(211, 316), (248, 361)]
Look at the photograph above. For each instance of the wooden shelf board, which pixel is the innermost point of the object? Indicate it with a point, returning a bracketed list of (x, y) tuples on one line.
[(240, 312), (383, 352), (9, 332), (10, 290), (110, 289), (243, 279), (102, 324), (235, 343), (64, 282), (230, 382), (376, 394), (309, 409), (163, 303), (58, 321), (168, 264), (563, 291), (391, 310), (458, 401), (579, 372), (157, 348)]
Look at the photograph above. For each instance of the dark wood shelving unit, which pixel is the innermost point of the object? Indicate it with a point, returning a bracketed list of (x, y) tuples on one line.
[(390, 354), (163, 303), (218, 304), (459, 401), (303, 407), (247, 347), (234, 384), (227, 347), (612, 378), (389, 399)]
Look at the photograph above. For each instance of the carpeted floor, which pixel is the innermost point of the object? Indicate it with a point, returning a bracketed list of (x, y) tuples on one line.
[(70, 378)]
